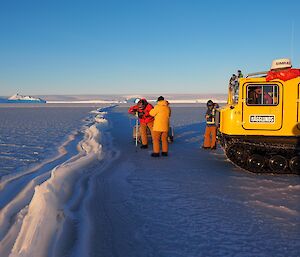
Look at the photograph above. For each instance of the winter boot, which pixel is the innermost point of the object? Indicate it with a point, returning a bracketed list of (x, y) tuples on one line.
[(155, 155)]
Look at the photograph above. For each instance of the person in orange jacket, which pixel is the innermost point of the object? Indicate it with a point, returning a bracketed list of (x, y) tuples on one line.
[(142, 109), (210, 136), (161, 113)]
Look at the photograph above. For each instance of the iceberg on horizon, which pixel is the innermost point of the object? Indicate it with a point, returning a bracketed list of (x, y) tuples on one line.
[(21, 99)]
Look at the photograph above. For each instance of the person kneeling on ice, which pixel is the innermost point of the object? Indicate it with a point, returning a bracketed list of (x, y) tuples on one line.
[(142, 109), (210, 141), (161, 114)]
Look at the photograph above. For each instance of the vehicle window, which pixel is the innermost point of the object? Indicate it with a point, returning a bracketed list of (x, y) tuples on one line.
[(262, 95)]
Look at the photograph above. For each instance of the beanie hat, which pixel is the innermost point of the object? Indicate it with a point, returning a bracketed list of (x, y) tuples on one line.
[(160, 98), (210, 103)]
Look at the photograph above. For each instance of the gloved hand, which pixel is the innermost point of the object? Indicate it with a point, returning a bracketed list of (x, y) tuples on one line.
[(133, 112), (141, 114)]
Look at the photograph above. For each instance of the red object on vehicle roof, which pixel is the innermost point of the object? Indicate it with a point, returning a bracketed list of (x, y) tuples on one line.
[(283, 74)]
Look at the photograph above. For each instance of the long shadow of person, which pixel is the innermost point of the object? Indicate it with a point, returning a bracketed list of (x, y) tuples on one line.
[(191, 133)]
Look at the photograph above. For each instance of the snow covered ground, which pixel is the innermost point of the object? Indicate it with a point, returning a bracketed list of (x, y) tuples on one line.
[(30, 135), (107, 199)]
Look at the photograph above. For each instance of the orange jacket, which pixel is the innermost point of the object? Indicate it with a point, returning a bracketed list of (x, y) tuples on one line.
[(161, 113), (143, 114)]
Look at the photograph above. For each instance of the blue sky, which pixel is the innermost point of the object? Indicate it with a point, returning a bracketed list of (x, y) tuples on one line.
[(140, 46)]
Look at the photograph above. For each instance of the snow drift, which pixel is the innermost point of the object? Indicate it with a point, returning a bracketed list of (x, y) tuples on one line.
[(46, 209)]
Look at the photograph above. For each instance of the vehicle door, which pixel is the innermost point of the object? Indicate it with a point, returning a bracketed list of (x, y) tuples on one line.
[(262, 106)]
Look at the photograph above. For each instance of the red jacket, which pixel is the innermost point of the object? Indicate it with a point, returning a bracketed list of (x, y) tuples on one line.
[(283, 75), (143, 114)]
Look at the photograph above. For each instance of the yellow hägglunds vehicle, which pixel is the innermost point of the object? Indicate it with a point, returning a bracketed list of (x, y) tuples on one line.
[(259, 128)]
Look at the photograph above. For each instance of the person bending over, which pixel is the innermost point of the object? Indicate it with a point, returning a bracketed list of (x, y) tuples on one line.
[(142, 109)]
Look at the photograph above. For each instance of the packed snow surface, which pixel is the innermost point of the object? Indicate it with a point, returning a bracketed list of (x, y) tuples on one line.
[(108, 198)]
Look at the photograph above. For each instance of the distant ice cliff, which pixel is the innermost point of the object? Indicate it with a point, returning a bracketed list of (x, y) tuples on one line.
[(21, 99)]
